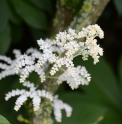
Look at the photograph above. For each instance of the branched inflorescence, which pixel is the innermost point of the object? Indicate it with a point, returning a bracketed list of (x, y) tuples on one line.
[(34, 94), (54, 56)]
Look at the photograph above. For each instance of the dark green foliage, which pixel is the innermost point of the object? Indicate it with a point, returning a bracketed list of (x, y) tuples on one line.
[(18, 16), (4, 16), (33, 16), (45, 5), (5, 39)]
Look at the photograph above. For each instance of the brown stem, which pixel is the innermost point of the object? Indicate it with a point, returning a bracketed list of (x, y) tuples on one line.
[(62, 19), (89, 14)]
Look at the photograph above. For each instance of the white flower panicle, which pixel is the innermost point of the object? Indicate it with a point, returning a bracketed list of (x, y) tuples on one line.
[(89, 47), (36, 103), (6, 59), (54, 55), (72, 47), (75, 76), (27, 63), (19, 102), (34, 94), (35, 54), (93, 47), (23, 61), (8, 68), (17, 53), (60, 62), (48, 48), (58, 105)]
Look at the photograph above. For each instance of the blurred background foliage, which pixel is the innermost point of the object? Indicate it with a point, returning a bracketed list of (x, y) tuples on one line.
[(22, 22)]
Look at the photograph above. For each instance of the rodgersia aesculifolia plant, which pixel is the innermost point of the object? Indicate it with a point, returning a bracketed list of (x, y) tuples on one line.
[(53, 57)]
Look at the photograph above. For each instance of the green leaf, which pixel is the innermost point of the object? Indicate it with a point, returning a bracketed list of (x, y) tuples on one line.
[(3, 120), (32, 16), (118, 5), (5, 40), (111, 118), (43, 4), (13, 16), (120, 71), (3, 14), (83, 111), (104, 82)]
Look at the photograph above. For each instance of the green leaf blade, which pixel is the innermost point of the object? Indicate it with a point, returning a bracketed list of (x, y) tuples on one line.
[(5, 40), (84, 112), (104, 80), (3, 14), (3, 120), (43, 4), (13, 16), (33, 16)]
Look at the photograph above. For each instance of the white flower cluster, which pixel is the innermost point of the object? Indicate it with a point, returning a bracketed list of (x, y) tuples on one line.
[(54, 55), (75, 76), (8, 67), (72, 46), (34, 94), (58, 105), (25, 65)]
